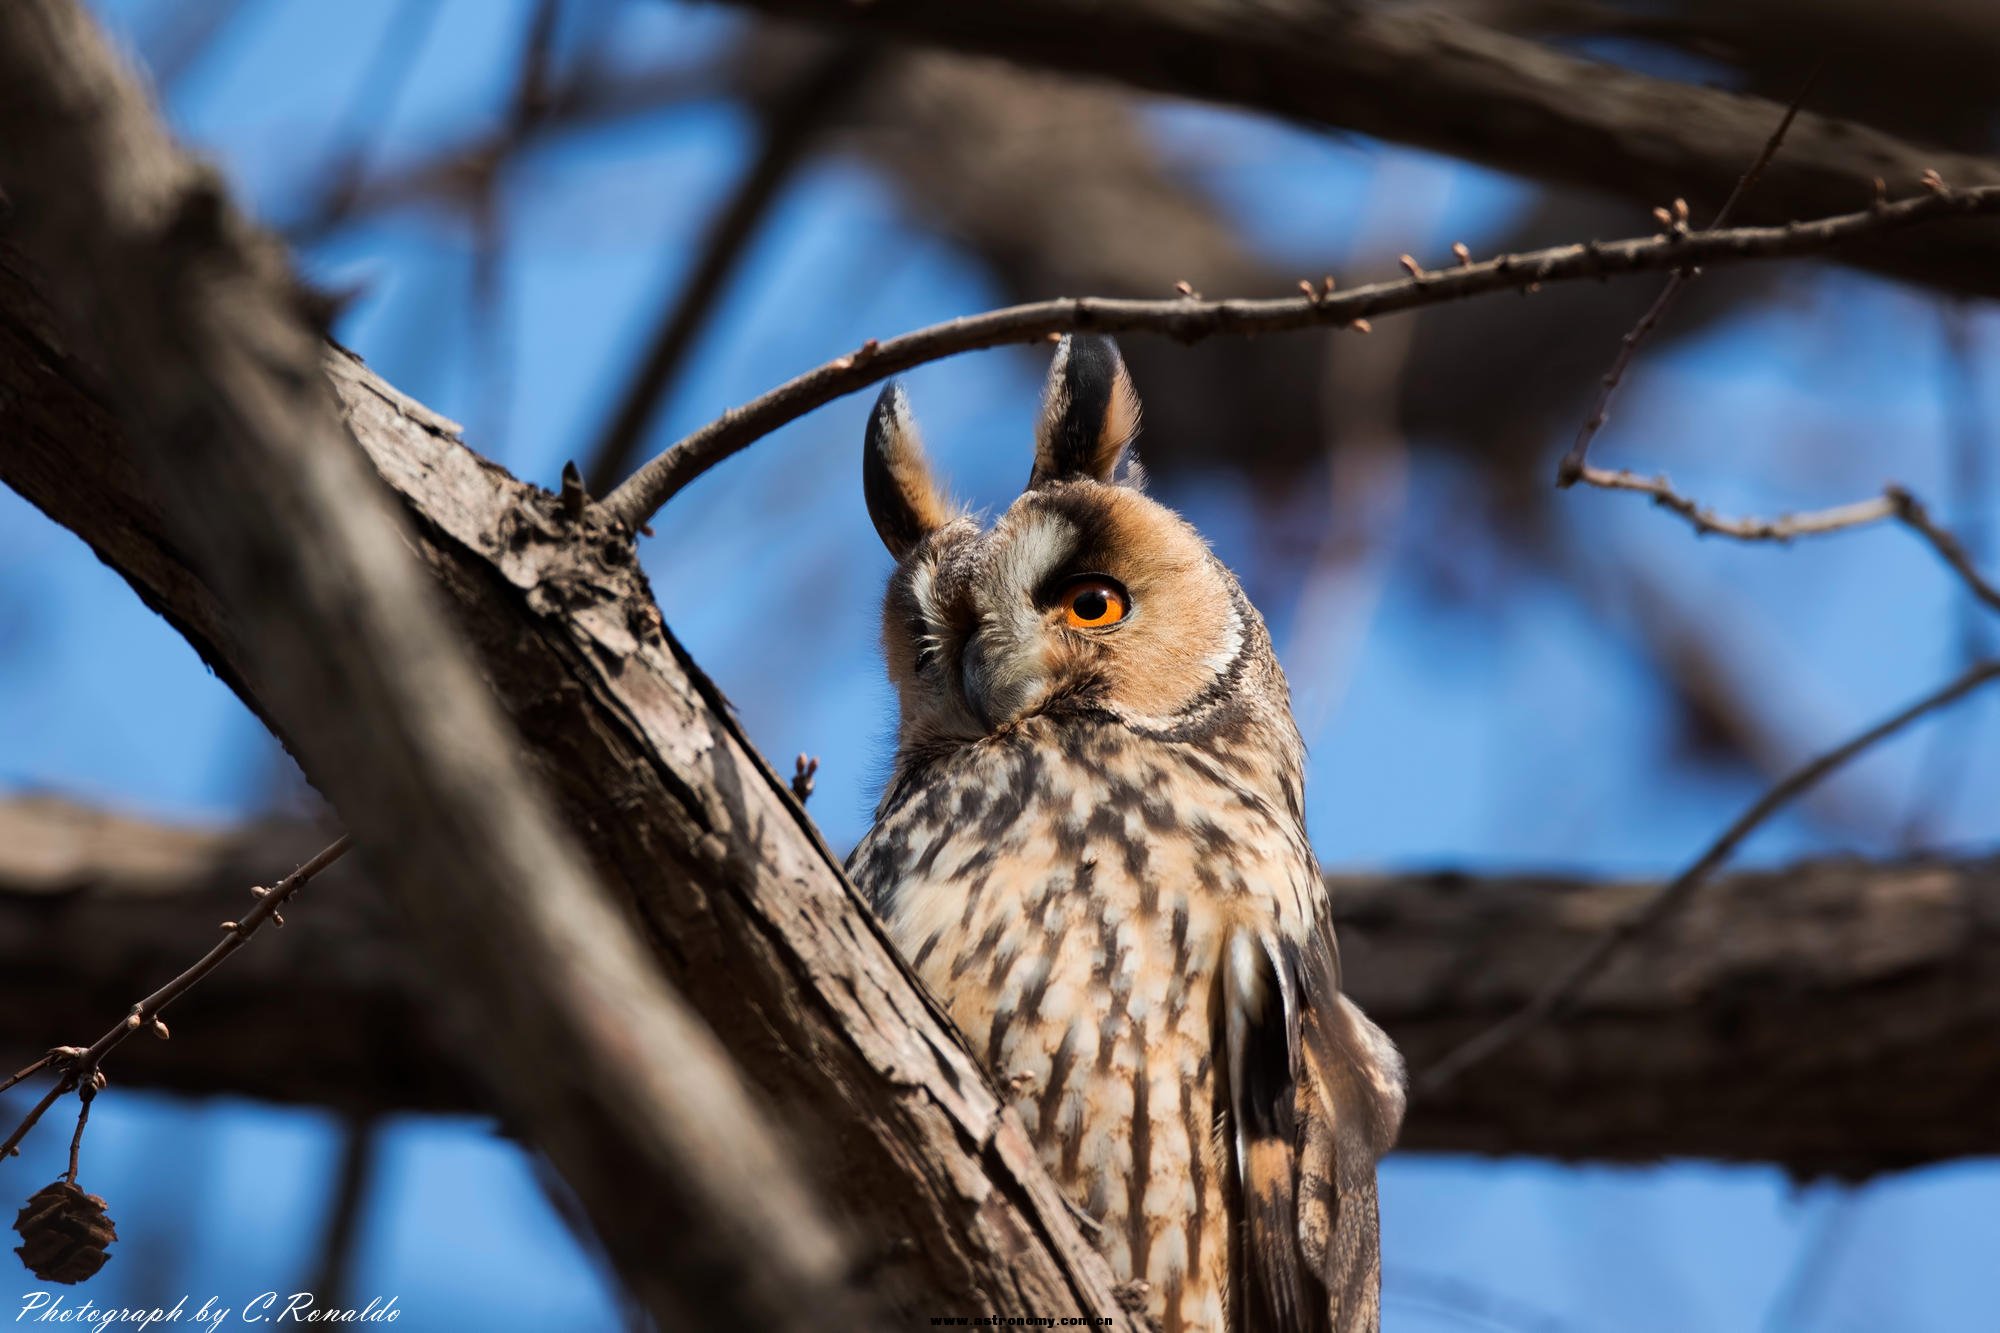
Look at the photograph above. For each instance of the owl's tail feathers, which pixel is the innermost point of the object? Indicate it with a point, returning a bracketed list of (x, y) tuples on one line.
[(1350, 1106), (1315, 1098)]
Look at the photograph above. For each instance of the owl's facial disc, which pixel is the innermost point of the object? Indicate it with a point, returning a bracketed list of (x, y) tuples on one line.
[(1083, 593)]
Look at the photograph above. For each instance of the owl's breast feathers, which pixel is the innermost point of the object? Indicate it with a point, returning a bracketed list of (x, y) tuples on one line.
[(1132, 933)]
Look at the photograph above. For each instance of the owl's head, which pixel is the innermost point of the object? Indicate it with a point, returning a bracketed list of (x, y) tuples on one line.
[(1085, 595)]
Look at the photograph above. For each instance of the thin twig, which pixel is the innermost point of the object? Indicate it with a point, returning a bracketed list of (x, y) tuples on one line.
[(1593, 960), (1570, 469), (1813, 523), (35, 1113), (79, 1066), (30, 1071), (84, 1099), (1894, 503), (360, 1145), (1952, 551), (1186, 319), (1942, 773), (373, 102)]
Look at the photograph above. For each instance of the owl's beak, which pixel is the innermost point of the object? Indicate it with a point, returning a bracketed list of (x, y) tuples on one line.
[(1000, 676)]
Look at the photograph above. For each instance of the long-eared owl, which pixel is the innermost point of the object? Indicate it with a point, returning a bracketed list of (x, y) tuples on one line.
[(1092, 847)]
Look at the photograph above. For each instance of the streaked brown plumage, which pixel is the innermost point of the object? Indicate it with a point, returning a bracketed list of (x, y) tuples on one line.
[(1093, 848)]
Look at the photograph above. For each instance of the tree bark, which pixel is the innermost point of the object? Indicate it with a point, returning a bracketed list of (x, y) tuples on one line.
[(1417, 74), (714, 862), (1832, 1016)]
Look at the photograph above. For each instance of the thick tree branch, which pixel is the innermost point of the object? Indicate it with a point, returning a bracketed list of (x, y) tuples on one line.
[(699, 840), (1422, 75), (1830, 1017), (1562, 988), (1773, 1021), (341, 635)]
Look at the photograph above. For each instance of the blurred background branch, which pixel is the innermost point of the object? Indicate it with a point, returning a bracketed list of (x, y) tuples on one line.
[(1783, 1017)]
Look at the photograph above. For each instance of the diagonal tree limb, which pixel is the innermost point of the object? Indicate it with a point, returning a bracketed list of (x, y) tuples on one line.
[(220, 383), (712, 860)]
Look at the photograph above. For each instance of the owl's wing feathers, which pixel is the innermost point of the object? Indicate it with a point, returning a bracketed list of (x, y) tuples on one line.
[(1316, 1097)]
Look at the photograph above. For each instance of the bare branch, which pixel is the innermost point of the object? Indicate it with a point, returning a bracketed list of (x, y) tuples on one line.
[(80, 1069), (635, 501), (1706, 521), (1592, 961), (1914, 516), (1894, 503)]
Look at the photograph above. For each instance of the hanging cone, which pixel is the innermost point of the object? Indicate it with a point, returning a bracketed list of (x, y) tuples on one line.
[(64, 1233)]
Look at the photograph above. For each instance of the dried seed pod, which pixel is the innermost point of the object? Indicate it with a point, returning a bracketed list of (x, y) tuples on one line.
[(65, 1233)]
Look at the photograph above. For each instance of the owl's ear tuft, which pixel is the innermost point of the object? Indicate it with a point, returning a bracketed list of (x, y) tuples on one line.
[(1090, 412), (903, 497)]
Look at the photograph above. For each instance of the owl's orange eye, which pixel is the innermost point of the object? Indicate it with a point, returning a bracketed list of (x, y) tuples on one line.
[(1093, 603)]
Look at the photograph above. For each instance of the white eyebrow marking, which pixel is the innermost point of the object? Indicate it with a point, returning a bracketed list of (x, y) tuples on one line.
[(1044, 541)]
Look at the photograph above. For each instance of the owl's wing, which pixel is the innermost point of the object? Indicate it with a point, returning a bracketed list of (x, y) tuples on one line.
[(1315, 1098)]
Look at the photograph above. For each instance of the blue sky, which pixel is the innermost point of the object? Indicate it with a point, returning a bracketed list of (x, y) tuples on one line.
[(1519, 730)]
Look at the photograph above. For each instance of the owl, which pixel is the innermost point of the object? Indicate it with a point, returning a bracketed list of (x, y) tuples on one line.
[(1092, 848)]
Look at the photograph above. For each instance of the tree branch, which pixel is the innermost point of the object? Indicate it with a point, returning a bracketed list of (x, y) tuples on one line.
[(1564, 986), (1774, 1019), (1894, 503), (703, 846), (1830, 1017), (1570, 468), (196, 319), (92, 902), (1189, 319), (1422, 75)]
